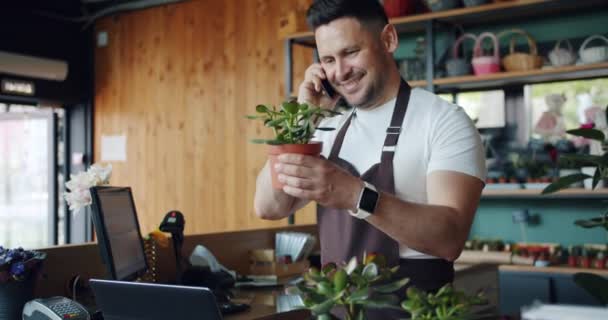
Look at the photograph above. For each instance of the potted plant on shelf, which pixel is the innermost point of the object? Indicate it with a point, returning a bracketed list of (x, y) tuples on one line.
[(18, 272), (294, 125), (354, 286)]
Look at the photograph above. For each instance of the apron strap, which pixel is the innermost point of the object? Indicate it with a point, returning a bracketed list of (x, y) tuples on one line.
[(394, 129)]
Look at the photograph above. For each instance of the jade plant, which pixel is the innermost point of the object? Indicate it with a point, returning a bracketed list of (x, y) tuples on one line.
[(446, 304), (354, 287), (292, 123)]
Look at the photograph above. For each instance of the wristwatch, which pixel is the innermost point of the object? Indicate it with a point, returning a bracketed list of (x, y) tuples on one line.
[(368, 199)]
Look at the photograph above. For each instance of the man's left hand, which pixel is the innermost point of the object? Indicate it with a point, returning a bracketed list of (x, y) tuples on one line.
[(318, 179)]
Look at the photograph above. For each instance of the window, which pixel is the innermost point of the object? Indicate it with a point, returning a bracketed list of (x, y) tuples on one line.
[(580, 96), (486, 108), (29, 179)]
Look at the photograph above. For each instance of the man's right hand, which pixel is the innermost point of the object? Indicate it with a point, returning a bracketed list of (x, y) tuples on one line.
[(311, 90)]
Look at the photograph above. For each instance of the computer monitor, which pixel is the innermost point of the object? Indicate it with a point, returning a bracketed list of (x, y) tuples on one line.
[(118, 234)]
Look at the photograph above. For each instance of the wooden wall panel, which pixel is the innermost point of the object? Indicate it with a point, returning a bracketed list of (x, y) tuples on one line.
[(177, 80)]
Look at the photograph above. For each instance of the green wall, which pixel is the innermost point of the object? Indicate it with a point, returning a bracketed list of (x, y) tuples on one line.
[(556, 217)]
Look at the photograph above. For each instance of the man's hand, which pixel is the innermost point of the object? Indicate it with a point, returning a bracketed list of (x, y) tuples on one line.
[(311, 91), (317, 179)]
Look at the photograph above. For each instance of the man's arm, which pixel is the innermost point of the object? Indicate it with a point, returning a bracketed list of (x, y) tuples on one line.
[(272, 204), (439, 228)]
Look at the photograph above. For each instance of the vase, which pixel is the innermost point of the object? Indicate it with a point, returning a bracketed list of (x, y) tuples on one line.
[(13, 296), (313, 148)]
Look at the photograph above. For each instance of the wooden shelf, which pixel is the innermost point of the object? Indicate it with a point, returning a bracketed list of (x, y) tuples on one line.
[(572, 193), (502, 79), (552, 269), (494, 12)]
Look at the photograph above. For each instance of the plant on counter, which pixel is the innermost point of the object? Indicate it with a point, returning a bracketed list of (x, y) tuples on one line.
[(18, 264), (355, 286), (446, 304), (293, 123)]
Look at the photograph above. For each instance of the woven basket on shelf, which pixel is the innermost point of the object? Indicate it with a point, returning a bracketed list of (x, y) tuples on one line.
[(562, 56), (520, 61), (457, 66), (594, 54), (473, 3), (483, 65)]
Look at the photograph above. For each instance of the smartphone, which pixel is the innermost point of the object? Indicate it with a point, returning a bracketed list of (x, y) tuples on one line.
[(331, 92)]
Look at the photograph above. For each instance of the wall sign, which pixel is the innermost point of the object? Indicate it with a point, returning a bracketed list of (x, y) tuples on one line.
[(20, 87)]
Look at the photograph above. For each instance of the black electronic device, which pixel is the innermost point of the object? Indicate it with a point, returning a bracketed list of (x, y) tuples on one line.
[(174, 223), (121, 300), (118, 233)]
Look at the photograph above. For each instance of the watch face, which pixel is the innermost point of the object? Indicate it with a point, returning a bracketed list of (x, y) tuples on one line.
[(369, 198)]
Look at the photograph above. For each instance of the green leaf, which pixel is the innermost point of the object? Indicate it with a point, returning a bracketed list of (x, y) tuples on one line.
[(564, 182), (592, 223), (370, 271), (593, 134), (322, 308), (594, 284), (382, 301), (261, 108), (391, 287), (597, 176), (360, 315), (358, 295), (324, 317), (351, 266), (254, 117), (260, 141), (303, 107), (585, 158), (290, 107)]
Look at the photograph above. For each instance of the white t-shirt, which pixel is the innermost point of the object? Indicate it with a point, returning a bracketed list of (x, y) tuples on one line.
[(436, 135)]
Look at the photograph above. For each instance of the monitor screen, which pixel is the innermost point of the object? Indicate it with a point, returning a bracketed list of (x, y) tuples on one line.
[(117, 227)]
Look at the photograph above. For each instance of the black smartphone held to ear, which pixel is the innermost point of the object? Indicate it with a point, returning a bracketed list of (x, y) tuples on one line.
[(331, 92)]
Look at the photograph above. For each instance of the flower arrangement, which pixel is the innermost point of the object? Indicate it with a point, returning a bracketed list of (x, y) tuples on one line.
[(79, 185), (18, 264), (354, 286)]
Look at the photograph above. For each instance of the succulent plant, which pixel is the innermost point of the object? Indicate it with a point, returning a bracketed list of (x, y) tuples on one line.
[(293, 123), (446, 304), (355, 286)]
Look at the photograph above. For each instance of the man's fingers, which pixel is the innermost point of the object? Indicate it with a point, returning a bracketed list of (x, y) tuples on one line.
[(298, 159), (299, 183), (294, 170)]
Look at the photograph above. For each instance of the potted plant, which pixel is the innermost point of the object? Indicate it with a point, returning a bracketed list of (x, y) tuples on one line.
[(446, 304), (354, 286), (18, 271), (595, 285), (294, 125)]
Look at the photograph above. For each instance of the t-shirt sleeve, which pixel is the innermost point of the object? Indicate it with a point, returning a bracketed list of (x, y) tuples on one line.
[(455, 144)]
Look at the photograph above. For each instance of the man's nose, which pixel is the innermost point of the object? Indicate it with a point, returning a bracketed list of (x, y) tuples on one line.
[(342, 70)]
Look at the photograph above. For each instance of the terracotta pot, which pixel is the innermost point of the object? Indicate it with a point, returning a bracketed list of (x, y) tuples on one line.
[(312, 149)]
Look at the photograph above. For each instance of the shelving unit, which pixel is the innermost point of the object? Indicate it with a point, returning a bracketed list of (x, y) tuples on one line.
[(552, 269), (572, 193), (510, 11)]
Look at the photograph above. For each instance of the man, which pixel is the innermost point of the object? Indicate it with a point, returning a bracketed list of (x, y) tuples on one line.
[(403, 172)]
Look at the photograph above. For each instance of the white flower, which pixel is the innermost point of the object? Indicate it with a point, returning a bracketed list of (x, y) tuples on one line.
[(80, 183)]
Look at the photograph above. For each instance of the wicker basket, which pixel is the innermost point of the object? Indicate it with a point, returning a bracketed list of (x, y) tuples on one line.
[(459, 66), (474, 3), (440, 5), (486, 64), (594, 54), (519, 61), (562, 56)]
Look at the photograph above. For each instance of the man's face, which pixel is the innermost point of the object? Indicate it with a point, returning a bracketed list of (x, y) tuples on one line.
[(354, 60)]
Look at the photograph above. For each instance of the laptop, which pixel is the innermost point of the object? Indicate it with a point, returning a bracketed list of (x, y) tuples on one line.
[(120, 300)]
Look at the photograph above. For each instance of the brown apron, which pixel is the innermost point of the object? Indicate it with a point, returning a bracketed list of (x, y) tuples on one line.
[(343, 236)]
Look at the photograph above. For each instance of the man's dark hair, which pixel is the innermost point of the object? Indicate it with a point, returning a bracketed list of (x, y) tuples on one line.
[(368, 12)]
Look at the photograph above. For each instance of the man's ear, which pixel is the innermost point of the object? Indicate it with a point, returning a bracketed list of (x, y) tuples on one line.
[(390, 40)]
